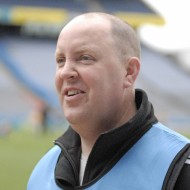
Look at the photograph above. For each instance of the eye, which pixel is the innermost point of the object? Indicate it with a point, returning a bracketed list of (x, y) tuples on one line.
[(86, 59), (60, 60)]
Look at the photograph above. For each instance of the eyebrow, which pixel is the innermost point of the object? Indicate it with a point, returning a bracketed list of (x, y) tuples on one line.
[(80, 50), (58, 53)]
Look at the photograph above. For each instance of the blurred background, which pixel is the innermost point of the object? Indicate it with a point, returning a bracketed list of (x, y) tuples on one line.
[(30, 116)]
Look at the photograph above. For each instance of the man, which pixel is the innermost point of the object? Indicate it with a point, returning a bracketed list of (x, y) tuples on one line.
[(114, 141)]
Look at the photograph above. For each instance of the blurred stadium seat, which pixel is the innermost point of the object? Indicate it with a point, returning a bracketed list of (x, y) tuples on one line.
[(66, 4)]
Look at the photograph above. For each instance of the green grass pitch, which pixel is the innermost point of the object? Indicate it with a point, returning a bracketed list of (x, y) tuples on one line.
[(19, 153)]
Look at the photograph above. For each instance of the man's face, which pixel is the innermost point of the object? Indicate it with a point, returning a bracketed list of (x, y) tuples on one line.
[(89, 75)]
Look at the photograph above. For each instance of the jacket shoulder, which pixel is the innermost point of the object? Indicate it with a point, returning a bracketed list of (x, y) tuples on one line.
[(44, 170)]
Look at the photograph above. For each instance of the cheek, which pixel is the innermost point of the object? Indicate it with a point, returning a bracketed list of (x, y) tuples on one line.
[(58, 82)]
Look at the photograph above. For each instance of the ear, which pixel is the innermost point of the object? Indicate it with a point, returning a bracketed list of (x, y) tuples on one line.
[(132, 67)]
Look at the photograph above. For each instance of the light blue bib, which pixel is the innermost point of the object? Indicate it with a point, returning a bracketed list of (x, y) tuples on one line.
[(143, 167), (42, 177)]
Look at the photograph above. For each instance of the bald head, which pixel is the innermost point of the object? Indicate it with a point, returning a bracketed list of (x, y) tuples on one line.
[(125, 38)]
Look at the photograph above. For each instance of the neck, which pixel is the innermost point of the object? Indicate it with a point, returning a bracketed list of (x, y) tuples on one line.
[(89, 138), (89, 135), (86, 146)]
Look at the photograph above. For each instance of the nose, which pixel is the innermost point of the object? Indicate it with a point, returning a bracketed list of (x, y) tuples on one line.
[(68, 71)]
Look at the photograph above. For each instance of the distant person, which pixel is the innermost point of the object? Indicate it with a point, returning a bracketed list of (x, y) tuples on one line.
[(44, 117), (39, 117), (114, 141), (5, 129)]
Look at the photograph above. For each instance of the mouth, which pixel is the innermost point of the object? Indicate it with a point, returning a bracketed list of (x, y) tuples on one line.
[(73, 92)]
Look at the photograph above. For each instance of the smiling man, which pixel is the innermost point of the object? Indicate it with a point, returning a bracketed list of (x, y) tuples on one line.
[(114, 141)]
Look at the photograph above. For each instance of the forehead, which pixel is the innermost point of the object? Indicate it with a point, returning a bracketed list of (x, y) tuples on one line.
[(84, 23), (85, 31)]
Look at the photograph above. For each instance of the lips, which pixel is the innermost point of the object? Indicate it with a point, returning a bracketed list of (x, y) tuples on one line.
[(70, 92), (73, 92)]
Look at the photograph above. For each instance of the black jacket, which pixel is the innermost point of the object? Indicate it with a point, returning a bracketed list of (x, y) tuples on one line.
[(110, 147)]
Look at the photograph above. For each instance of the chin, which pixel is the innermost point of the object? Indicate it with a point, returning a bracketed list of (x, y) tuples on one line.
[(72, 118)]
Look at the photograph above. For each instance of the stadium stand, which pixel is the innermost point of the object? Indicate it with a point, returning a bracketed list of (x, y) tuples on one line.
[(125, 6), (17, 12), (42, 19), (65, 4)]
